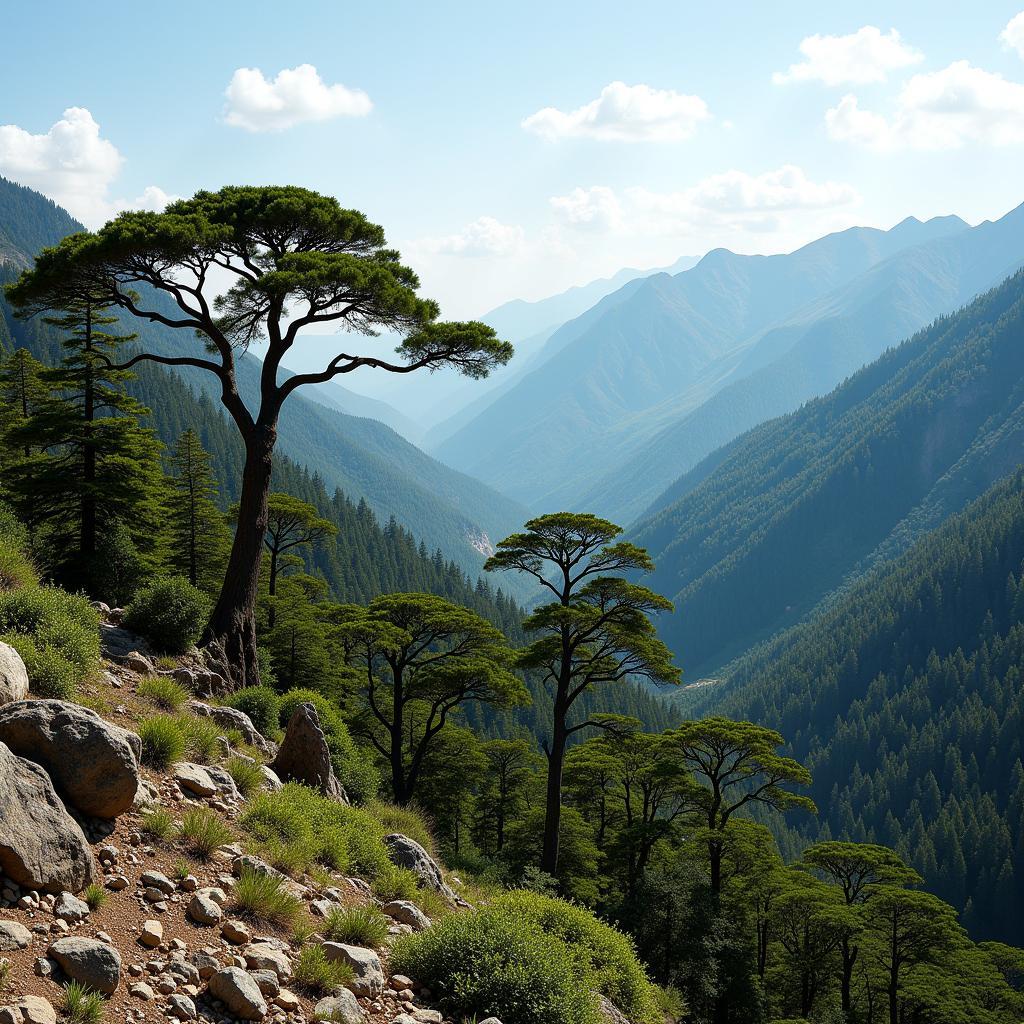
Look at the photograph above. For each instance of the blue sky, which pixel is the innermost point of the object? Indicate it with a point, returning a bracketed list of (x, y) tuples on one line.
[(493, 143)]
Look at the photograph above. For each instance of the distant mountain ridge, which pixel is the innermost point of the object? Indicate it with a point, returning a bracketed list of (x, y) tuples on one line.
[(645, 356)]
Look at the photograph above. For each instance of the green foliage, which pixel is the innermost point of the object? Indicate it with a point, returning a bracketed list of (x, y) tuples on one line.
[(262, 705), (203, 831), (95, 895), (163, 741), (245, 773), (491, 963), (318, 974), (170, 613), (200, 735), (158, 822), (117, 568), (81, 1005), (164, 692), (395, 884), (357, 926), (264, 898)]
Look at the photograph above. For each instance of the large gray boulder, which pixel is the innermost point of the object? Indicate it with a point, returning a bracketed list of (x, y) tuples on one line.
[(13, 675), (407, 853), (239, 992), (342, 1008), (90, 961), (41, 845), (232, 718), (94, 765), (304, 755), (365, 964)]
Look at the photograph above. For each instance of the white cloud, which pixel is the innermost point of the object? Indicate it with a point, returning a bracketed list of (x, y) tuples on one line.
[(486, 236), (624, 113), (733, 198), (1013, 34), (859, 58), (938, 110), (73, 165), (294, 96)]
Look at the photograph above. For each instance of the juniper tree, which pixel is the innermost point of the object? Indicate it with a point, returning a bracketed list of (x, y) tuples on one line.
[(598, 629), (294, 260), (199, 535)]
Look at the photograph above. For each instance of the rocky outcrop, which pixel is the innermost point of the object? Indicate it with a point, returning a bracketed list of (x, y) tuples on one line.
[(90, 961), (407, 853), (304, 755), (232, 718), (13, 675), (93, 764), (41, 845)]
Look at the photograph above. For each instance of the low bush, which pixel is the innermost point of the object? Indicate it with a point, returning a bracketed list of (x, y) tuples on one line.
[(318, 974), (395, 884), (170, 613), (407, 820), (489, 963), (163, 692), (203, 831), (163, 741), (262, 705), (245, 774), (49, 674), (264, 898), (81, 1004), (358, 926), (158, 823), (201, 735), (95, 895)]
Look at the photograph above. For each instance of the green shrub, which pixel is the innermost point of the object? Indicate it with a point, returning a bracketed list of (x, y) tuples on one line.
[(612, 960), (200, 736), (16, 568), (358, 926), (158, 823), (320, 975), (489, 963), (170, 613), (49, 674), (262, 705), (407, 820), (163, 741), (203, 831), (117, 567), (81, 1004), (245, 774), (264, 898), (395, 884), (164, 692), (95, 895)]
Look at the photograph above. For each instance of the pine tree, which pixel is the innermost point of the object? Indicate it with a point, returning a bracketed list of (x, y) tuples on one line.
[(199, 534), (22, 392)]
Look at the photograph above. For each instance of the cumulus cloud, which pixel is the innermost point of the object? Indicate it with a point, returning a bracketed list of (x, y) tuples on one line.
[(73, 165), (486, 236), (294, 96), (624, 113), (1013, 34), (733, 197), (859, 58), (937, 110)]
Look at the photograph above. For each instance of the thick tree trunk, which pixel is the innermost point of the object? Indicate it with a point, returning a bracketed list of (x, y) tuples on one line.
[(849, 955), (87, 535), (553, 813), (272, 590), (233, 622)]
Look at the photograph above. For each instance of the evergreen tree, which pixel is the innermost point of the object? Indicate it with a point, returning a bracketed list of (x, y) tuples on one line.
[(22, 393)]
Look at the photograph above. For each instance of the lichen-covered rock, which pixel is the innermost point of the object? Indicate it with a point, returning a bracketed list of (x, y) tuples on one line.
[(13, 675), (94, 765), (41, 845), (89, 961), (239, 993), (304, 755)]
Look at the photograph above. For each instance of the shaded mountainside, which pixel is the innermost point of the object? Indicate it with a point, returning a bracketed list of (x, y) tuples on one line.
[(906, 700), (361, 456), (765, 528), (647, 355)]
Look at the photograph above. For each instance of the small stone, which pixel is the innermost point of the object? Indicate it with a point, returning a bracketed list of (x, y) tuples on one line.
[(156, 880), (142, 991), (236, 931), (204, 910), (152, 934), (43, 967), (13, 936), (91, 962), (268, 982), (239, 993), (341, 1008), (117, 882), (287, 1000), (181, 1007), (60, 927), (369, 975), (28, 1010)]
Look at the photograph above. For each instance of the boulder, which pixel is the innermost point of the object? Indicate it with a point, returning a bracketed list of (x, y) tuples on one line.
[(28, 1010), (407, 913), (13, 675), (194, 778), (369, 974), (341, 1008), (262, 956), (407, 853), (239, 993), (89, 961), (41, 845), (13, 936), (94, 765), (232, 718), (204, 910), (70, 908), (304, 755)]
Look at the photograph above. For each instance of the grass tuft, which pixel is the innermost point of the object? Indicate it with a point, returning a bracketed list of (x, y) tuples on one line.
[(357, 926), (81, 1004), (203, 831), (163, 692), (246, 775), (163, 741), (95, 895), (158, 823), (395, 884), (320, 975), (264, 898)]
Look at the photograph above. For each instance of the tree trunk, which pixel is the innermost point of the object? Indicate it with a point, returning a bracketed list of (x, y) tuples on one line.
[(272, 589), (849, 958), (87, 535), (553, 813), (233, 622)]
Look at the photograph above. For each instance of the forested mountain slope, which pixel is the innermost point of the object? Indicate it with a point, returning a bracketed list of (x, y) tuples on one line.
[(648, 354), (363, 457), (765, 528), (906, 700)]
